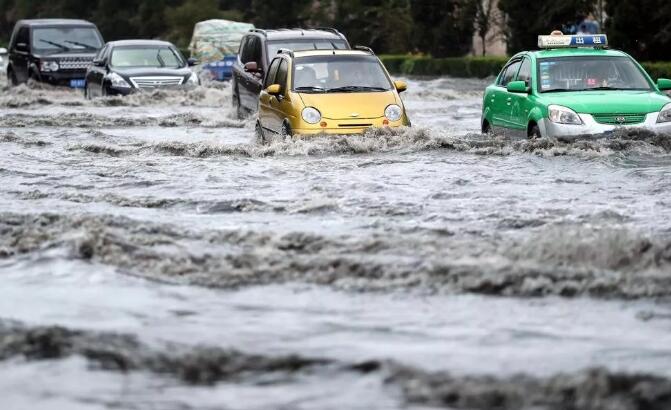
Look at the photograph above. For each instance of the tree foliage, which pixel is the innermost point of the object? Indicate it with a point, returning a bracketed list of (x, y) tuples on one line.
[(441, 27), (527, 19), (642, 27)]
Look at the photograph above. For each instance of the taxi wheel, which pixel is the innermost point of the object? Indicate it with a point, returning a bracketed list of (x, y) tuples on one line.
[(13, 81), (534, 132)]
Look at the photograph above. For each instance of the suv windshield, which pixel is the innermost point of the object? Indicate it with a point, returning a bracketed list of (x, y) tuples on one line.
[(66, 39), (590, 73), (146, 57), (298, 45), (329, 73)]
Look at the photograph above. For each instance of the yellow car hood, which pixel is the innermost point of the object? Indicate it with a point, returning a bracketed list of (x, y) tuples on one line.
[(338, 106)]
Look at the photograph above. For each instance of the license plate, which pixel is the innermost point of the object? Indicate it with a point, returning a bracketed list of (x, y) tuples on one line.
[(77, 83)]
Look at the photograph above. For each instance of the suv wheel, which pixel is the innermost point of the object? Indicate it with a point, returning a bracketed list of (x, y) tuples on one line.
[(534, 132), (13, 81)]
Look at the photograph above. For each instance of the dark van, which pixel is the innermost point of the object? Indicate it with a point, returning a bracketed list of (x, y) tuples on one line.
[(55, 51), (259, 47)]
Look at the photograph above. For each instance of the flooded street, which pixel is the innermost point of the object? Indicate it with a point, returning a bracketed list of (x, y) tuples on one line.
[(154, 256)]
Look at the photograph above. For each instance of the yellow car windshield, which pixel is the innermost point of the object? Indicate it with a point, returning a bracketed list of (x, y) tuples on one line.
[(339, 73)]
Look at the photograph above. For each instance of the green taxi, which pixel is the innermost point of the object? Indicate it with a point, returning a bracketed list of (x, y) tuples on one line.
[(574, 86)]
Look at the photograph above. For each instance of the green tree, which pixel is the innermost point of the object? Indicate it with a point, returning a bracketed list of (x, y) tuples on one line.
[(444, 27), (642, 27), (527, 19)]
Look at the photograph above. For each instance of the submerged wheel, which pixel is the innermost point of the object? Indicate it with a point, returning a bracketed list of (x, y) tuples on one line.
[(13, 81), (87, 92), (486, 128), (534, 132), (286, 130), (259, 134)]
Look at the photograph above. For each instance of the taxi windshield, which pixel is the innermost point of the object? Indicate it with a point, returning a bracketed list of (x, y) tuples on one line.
[(589, 73), (342, 73)]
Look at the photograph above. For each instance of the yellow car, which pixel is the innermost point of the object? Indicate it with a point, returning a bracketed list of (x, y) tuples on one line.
[(328, 91)]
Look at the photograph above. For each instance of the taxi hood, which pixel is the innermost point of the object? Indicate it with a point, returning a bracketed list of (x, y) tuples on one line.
[(608, 102), (336, 106)]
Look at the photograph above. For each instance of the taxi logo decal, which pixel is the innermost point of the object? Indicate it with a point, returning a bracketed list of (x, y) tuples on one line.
[(620, 119)]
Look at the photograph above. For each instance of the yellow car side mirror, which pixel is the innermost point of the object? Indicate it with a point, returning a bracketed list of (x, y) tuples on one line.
[(274, 89), (400, 86)]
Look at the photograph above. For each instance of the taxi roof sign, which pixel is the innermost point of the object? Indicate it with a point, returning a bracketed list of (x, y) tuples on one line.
[(579, 40)]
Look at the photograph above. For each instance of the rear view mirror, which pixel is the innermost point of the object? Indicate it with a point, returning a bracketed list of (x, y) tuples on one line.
[(192, 61), (664, 84), (274, 89), (400, 86), (252, 67), (518, 87), (21, 47), (98, 63)]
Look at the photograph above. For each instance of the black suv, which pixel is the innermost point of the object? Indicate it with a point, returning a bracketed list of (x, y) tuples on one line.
[(259, 47), (55, 51)]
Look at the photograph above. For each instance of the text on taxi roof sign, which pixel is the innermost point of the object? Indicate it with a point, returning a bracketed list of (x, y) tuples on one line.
[(555, 41)]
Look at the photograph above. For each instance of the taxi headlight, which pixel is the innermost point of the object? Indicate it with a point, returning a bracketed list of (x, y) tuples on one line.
[(665, 114), (563, 115), (311, 115), (46, 66), (117, 81), (393, 112)]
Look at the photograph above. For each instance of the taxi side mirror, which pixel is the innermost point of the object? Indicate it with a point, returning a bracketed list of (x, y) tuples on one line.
[(664, 84), (274, 89), (400, 86), (518, 87), (192, 62)]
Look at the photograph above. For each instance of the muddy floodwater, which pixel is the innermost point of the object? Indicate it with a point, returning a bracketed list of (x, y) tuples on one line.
[(153, 255)]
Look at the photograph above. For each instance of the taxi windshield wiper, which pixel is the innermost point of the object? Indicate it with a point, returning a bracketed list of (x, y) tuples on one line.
[(77, 43), (309, 88), (605, 88), (53, 43), (354, 88), (560, 90)]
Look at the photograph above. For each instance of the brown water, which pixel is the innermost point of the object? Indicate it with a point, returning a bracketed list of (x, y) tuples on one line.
[(153, 255)]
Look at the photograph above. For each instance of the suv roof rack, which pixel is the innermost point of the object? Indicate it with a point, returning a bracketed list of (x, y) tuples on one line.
[(364, 48), (259, 30), (329, 29)]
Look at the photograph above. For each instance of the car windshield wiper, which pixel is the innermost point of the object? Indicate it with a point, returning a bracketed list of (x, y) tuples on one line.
[(53, 43), (604, 88), (310, 88), (354, 88), (77, 43)]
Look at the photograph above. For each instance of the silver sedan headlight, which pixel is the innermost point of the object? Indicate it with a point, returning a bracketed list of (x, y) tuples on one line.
[(393, 112), (311, 115), (665, 114), (563, 115)]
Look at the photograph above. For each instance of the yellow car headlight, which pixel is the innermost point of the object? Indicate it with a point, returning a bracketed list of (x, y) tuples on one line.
[(393, 112), (311, 115)]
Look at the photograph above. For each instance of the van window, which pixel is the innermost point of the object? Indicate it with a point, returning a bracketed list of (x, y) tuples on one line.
[(244, 50), (256, 51), (272, 72), (282, 73), (23, 36)]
